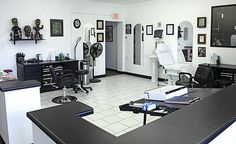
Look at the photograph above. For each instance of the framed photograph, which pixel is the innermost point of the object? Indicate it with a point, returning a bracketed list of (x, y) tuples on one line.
[(92, 32), (149, 29), (201, 51), (100, 37), (169, 29), (77, 23), (100, 24), (201, 38), (223, 26), (56, 27), (109, 33), (128, 28), (201, 22)]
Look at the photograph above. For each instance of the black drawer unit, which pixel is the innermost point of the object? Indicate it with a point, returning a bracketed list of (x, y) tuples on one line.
[(40, 72)]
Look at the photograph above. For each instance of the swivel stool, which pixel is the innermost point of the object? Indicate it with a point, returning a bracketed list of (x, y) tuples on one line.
[(79, 74)]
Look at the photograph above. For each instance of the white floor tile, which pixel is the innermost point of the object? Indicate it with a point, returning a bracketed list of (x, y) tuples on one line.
[(106, 98), (117, 127), (129, 122), (112, 119)]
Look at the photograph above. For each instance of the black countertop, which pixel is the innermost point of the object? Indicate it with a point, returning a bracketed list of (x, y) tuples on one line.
[(64, 125), (191, 124), (16, 85), (47, 62), (222, 66)]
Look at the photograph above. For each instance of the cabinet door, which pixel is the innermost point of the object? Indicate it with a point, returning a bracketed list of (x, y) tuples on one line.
[(33, 73)]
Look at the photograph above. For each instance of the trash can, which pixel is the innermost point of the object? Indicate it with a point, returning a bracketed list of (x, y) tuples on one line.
[(84, 64)]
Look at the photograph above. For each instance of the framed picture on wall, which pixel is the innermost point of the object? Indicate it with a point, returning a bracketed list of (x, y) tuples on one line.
[(169, 29), (100, 24), (128, 28), (149, 29), (56, 27), (109, 33), (201, 22), (201, 38), (201, 51), (223, 26), (100, 37)]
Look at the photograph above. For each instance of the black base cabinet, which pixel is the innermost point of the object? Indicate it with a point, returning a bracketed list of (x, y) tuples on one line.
[(40, 72)]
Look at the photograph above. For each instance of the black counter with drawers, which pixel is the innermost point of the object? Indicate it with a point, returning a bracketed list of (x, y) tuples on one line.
[(39, 71)]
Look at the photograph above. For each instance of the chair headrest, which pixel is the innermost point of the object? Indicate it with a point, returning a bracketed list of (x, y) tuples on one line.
[(162, 47)]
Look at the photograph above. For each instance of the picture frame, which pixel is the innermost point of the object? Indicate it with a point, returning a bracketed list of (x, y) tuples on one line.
[(149, 29), (201, 51), (56, 27), (109, 33), (169, 29), (128, 29), (201, 22), (92, 32), (223, 26), (201, 38), (100, 25), (100, 37)]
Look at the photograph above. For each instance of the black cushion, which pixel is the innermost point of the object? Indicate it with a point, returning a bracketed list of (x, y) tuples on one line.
[(202, 74)]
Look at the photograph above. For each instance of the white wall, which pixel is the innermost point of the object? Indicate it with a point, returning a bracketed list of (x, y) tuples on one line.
[(27, 11), (173, 12)]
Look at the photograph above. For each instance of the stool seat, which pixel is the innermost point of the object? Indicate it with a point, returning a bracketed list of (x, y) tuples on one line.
[(81, 72)]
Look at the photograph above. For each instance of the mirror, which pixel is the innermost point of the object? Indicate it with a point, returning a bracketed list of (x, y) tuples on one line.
[(185, 40), (138, 44), (89, 33)]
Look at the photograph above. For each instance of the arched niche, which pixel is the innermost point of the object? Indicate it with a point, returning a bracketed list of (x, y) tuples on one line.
[(185, 40), (138, 44)]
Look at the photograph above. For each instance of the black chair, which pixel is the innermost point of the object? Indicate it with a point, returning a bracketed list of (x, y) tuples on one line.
[(203, 78), (79, 74), (63, 79)]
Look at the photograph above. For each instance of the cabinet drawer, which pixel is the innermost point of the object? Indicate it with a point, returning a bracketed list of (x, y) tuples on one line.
[(32, 69)]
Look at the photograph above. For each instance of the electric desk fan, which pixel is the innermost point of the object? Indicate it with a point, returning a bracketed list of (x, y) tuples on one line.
[(95, 51)]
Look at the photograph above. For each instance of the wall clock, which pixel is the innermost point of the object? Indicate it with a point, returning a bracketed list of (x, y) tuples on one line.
[(77, 23)]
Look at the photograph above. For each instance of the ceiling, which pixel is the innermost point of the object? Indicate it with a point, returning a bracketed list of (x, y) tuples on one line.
[(123, 1)]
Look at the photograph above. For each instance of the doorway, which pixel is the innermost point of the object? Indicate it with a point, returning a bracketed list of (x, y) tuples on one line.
[(113, 45)]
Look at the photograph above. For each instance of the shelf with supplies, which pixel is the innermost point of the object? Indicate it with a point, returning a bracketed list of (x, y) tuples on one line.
[(36, 40)]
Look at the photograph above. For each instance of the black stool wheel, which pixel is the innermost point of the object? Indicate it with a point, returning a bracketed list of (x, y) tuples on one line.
[(63, 100)]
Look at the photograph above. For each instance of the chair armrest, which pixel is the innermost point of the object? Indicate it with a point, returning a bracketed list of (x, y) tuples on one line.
[(185, 73)]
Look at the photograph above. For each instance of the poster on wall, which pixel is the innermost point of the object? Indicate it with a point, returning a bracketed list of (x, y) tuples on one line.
[(201, 51), (223, 26)]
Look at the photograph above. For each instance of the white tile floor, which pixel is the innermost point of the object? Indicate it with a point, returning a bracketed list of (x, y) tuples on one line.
[(106, 98)]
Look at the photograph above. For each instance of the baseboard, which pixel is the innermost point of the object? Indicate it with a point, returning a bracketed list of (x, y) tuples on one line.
[(129, 73), (100, 76), (134, 74)]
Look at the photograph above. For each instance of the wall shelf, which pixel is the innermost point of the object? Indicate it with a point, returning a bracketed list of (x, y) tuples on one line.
[(36, 40)]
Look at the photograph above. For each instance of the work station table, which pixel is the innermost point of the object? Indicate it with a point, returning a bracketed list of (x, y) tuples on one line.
[(195, 123), (163, 108)]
